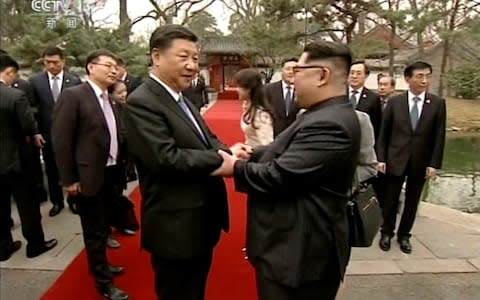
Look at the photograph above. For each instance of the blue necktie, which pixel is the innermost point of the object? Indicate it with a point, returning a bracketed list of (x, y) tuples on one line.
[(414, 114), (189, 114)]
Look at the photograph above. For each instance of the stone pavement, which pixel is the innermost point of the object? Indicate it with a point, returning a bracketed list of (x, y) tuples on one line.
[(445, 263)]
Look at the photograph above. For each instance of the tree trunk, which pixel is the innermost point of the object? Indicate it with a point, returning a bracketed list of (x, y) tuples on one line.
[(446, 46), (125, 21), (391, 48)]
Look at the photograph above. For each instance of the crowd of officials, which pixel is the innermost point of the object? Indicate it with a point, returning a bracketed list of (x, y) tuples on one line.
[(308, 138)]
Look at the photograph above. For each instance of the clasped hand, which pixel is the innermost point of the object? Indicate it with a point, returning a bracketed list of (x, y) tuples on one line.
[(240, 151)]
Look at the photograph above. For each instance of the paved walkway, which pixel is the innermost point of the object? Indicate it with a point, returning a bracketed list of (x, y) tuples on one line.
[(446, 250)]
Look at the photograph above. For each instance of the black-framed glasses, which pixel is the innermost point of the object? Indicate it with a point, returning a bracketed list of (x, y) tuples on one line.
[(297, 69), (111, 67)]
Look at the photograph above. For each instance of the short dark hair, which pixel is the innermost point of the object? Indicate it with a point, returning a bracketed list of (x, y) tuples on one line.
[(339, 53), (3, 52), (121, 62), (6, 61), (418, 65), (289, 60), (94, 55), (361, 62), (163, 36), (52, 51), (392, 80), (112, 88)]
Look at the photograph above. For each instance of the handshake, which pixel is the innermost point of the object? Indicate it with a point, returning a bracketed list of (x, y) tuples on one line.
[(239, 151)]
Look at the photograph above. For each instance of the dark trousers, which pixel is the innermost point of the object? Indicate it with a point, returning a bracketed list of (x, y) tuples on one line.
[(268, 289), (54, 185), (393, 189), (379, 185), (181, 279), (94, 221), (28, 209)]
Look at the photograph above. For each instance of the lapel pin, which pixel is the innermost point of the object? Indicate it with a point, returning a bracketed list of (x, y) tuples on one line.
[(428, 101), (364, 96), (67, 81), (15, 85)]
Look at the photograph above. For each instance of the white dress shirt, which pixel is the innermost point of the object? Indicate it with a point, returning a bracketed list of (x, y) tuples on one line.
[(419, 103), (357, 95), (59, 81), (285, 90)]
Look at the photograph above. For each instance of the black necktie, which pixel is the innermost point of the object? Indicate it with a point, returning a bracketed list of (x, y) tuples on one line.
[(288, 100)]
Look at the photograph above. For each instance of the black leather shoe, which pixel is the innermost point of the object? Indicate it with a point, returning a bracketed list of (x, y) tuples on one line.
[(113, 293), (12, 248), (34, 251), (405, 245), (116, 270), (55, 210), (384, 242), (72, 204)]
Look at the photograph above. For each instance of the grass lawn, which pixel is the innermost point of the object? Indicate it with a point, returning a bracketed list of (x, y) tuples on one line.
[(464, 114)]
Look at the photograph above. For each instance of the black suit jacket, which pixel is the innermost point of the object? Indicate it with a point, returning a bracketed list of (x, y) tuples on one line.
[(398, 144), (16, 122), (81, 139), (369, 102), (297, 224), (197, 94), (276, 100), (184, 207), (43, 99), (132, 83)]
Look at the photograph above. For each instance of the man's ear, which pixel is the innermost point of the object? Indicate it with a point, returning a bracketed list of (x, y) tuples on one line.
[(324, 77)]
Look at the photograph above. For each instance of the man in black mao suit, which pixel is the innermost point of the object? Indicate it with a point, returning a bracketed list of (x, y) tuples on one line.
[(87, 140), (298, 186), (197, 92), (16, 124), (362, 98), (47, 86), (184, 208), (411, 145), (281, 97)]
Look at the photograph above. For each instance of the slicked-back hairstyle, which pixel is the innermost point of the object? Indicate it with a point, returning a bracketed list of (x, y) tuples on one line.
[(418, 65), (52, 51), (289, 60), (95, 55), (340, 54), (6, 61), (163, 36), (362, 62)]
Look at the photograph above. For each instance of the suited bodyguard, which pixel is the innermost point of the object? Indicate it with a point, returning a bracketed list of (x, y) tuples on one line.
[(16, 125), (281, 97), (362, 98), (197, 92), (47, 87), (411, 145), (87, 139), (298, 186)]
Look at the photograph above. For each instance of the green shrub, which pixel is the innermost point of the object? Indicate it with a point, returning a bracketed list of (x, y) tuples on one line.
[(465, 81)]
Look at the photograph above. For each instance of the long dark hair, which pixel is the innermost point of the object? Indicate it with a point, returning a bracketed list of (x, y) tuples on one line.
[(251, 79)]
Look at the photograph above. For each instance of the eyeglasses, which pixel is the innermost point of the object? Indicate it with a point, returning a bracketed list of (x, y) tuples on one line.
[(111, 67), (297, 69)]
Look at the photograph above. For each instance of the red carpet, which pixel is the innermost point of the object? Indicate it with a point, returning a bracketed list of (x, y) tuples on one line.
[(228, 95), (231, 277)]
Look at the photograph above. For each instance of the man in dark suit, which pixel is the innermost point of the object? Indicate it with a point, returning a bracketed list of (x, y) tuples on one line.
[(184, 208), (16, 124), (411, 145), (197, 92), (362, 98), (281, 96), (298, 186), (386, 88), (131, 81), (46, 89), (87, 139)]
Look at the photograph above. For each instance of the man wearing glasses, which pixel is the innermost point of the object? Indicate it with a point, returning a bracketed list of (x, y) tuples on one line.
[(297, 232), (87, 143)]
